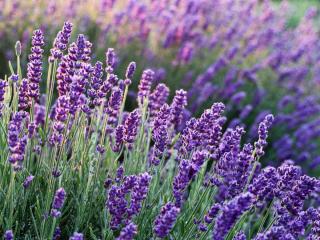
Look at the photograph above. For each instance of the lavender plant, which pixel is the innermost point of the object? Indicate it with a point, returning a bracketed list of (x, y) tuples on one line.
[(80, 167)]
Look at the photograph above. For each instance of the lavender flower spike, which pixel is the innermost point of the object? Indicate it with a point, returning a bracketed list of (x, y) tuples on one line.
[(178, 105), (76, 236), (35, 65), (3, 86), (8, 235), (263, 134), (145, 85), (28, 181), (129, 73), (58, 202), (165, 220), (128, 232)]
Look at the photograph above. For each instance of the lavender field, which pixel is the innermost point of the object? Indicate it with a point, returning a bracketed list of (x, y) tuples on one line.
[(159, 119)]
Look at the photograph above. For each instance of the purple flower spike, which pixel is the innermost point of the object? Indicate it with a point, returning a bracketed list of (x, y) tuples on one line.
[(178, 105), (263, 134), (17, 143), (3, 86), (28, 181), (76, 236), (119, 138), (130, 70), (157, 98), (145, 85), (131, 126), (128, 232), (230, 213), (165, 220), (58, 202), (111, 59), (8, 235), (35, 65), (61, 42)]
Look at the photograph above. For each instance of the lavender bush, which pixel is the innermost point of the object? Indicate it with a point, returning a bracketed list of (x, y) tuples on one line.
[(77, 165)]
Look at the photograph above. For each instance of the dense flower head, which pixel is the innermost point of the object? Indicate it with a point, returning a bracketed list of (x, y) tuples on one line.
[(263, 134), (61, 41), (165, 220), (111, 59)]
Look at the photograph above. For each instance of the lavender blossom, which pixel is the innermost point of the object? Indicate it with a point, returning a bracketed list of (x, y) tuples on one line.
[(131, 126), (139, 193), (145, 85), (230, 213), (113, 106), (77, 236), (58, 202), (28, 181), (17, 143), (263, 134), (35, 65), (111, 57), (119, 138), (3, 86), (178, 104), (8, 235), (165, 220), (128, 232), (157, 98), (129, 73), (61, 42), (23, 97)]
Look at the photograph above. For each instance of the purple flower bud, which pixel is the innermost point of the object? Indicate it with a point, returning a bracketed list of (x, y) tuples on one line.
[(157, 98), (28, 181), (8, 235), (110, 55), (76, 236), (130, 70)]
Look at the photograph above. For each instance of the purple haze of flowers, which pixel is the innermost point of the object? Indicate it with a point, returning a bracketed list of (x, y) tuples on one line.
[(145, 85), (76, 236), (128, 232), (34, 71), (230, 213), (58, 202), (17, 143), (131, 126), (3, 86), (178, 105), (165, 220), (8, 235), (28, 181)]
